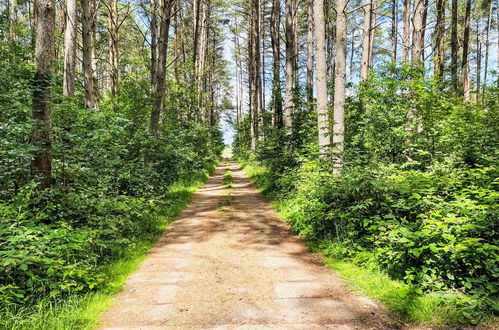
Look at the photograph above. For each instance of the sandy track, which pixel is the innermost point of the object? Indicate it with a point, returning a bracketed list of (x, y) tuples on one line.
[(229, 262)]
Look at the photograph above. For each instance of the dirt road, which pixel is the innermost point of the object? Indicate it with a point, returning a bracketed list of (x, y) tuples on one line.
[(229, 262)]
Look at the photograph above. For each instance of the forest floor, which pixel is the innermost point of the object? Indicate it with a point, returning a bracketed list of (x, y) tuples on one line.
[(229, 261)]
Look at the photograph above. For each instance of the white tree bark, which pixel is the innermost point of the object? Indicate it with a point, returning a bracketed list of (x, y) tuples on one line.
[(321, 78), (339, 84)]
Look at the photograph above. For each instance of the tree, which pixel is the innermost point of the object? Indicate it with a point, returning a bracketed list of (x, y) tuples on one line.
[(159, 88), (70, 49), (407, 30), (454, 46), (440, 38), (394, 30), (88, 53), (465, 70), (310, 54), (339, 84), (113, 56), (366, 41), (417, 34), (291, 60), (275, 22), (321, 78), (41, 135)]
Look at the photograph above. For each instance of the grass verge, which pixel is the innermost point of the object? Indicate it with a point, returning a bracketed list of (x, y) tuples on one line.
[(435, 309), (84, 311)]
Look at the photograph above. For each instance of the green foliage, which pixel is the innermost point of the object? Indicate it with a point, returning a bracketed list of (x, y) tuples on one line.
[(104, 203), (417, 197)]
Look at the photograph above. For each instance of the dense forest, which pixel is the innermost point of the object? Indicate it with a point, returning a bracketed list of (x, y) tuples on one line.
[(372, 125)]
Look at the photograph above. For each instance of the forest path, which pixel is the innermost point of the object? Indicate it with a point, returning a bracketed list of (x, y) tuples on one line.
[(229, 262)]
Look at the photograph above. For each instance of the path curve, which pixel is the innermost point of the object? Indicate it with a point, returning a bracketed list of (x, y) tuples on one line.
[(229, 262)]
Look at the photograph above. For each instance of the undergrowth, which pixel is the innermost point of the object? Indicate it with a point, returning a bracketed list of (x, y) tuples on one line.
[(77, 309), (428, 257)]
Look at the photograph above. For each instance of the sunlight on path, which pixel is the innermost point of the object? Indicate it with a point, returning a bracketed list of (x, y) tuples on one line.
[(229, 262)]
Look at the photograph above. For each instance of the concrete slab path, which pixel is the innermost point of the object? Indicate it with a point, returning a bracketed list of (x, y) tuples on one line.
[(229, 262)]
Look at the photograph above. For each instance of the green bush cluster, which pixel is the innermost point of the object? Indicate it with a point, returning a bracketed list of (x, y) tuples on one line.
[(104, 200), (420, 203)]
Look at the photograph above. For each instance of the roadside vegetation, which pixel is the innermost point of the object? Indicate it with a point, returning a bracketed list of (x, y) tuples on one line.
[(411, 218)]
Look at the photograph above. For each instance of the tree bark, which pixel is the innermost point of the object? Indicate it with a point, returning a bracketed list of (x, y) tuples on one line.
[(321, 78), (289, 104), (159, 89), (41, 135), (464, 64), (479, 42), (70, 49), (394, 30), (440, 38), (275, 23), (417, 35), (113, 36), (339, 84), (310, 54), (252, 73), (154, 43), (407, 30), (487, 46), (366, 41), (454, 46), (88, 46)]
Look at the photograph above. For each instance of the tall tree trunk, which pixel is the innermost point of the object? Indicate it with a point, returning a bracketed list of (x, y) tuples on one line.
[(394, 30), (372, 33), (159, 89), (464, 64), (366, 41), (258, 68), (321, 78), (201, 57), (88, 46), (310, 54), (41, 135), (275, 23), (454, 46), (440, 38), (70, 49), (479, 42), (417, 34), (289, 104), (487, 45), (93, 52), (339, 84), (252, 73), (407, 30), (154, 43), (113, 46)]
